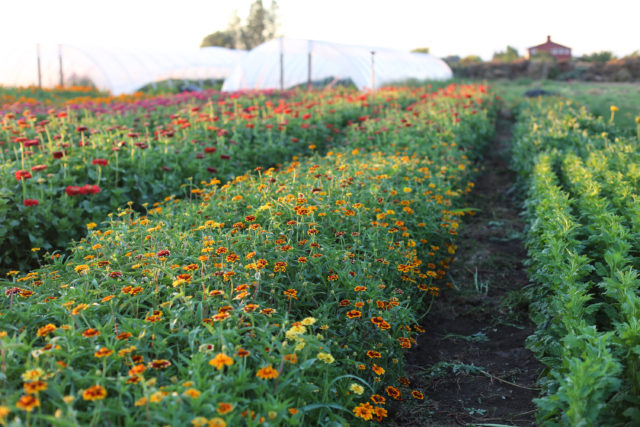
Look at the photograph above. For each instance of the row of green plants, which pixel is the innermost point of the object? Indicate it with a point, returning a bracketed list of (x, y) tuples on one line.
[(70, 165), (582, 209), (282, 297)]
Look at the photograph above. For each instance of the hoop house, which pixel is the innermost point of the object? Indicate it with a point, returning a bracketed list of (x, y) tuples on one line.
[(115, 70), (285, 63)]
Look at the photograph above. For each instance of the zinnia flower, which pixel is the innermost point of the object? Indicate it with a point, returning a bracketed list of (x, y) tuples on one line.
[(220, 361), (267, 373), (27, 402), (364, 411), (224, 408), (22, 174), (95, 392), (326, 358)]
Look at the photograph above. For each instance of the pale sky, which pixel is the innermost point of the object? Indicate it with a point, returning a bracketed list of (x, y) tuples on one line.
[(447, 27)]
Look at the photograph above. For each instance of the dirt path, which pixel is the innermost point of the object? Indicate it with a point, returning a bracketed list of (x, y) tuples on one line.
[(471, 363)]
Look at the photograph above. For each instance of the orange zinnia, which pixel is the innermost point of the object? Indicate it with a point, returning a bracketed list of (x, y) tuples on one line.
[(220, 361), (96, 392), (393, 392), (224, 408), (353, 314), (364, 411), (46, 329), (267, 373), (379, 370), (90, 333), (27, 402), (34, 387), (103, 352)]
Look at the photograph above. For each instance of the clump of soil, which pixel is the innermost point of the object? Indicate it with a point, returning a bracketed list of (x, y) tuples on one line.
[(471, 363)]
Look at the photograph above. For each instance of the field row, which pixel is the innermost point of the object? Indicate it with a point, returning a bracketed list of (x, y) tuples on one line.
[(64, 166), (583, 210), (284, 296)]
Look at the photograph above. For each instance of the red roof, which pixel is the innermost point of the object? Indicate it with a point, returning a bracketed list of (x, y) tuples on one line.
[(549, 44)]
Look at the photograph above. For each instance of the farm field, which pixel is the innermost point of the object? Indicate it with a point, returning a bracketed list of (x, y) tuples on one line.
[(433, 255)]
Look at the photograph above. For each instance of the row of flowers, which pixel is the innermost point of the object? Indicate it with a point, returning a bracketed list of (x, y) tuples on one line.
[(142, 150), (281, 297)]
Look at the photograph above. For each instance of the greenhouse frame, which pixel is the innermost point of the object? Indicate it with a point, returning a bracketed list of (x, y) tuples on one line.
[(286, 63), (116, 70)]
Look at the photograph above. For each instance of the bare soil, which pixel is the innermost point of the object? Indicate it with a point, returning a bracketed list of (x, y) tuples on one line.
[(472, 364)]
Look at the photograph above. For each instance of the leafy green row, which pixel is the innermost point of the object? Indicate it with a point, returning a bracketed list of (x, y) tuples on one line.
[(584, 267)]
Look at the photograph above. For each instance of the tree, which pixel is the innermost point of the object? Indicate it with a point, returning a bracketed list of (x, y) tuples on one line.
[(219, 38), (261, 25), (470, 59), (421, 50), (603, 56), (509, 55)]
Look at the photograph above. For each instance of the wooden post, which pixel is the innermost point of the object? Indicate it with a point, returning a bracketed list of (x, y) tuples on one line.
[(373, 83), (309, 68), (373, 73), (281, 64), (60, 63), (39, 69)]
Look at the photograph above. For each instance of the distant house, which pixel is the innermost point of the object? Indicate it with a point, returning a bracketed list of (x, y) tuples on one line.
[(556, 50)]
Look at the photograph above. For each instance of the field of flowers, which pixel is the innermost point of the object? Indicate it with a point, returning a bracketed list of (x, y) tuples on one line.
[(68, 163), (258, 294), (584, 230)]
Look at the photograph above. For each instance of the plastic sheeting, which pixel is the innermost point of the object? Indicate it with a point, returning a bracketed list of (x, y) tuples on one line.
[(261, 67), (117, 70)]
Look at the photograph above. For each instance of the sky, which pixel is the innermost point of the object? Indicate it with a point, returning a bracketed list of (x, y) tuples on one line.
[(447, 27)]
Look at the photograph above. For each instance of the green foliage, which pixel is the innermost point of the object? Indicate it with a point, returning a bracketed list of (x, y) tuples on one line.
[(583, 183), (470, 59), (220, 38), (508, 55), (603, 56)]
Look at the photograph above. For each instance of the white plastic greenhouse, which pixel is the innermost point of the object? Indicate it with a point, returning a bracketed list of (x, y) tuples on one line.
[(121, 70), (284, 63)]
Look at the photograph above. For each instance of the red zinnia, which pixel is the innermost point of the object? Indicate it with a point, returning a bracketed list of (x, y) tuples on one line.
[(209, 149), (90, 189), (31, 202), (22, 174), (72, 190), (101, 162), (38, 168), (58, 154)]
